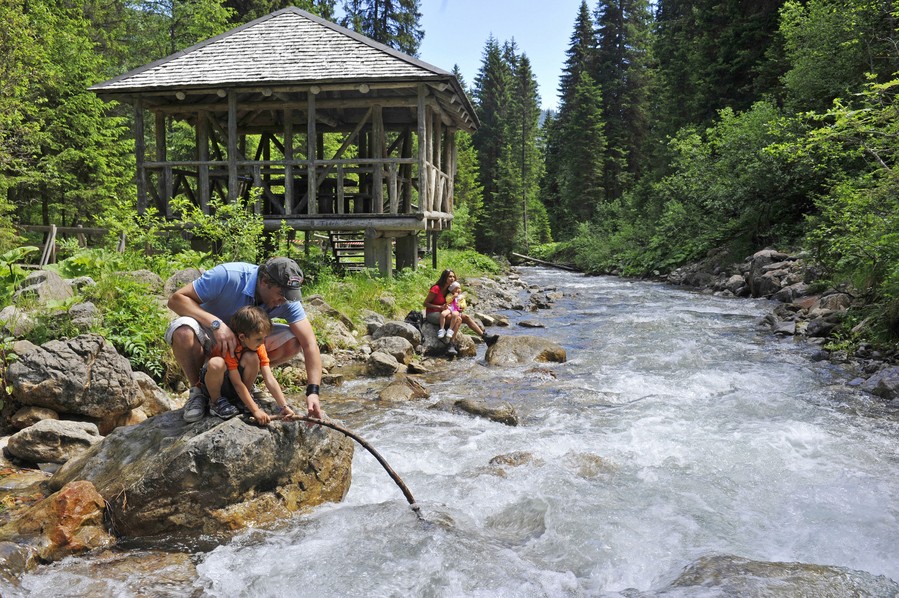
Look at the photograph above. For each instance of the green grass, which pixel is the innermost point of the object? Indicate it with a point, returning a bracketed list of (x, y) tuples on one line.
[(353, 293)]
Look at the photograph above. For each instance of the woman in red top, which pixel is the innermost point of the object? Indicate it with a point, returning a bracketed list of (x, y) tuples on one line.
[(436, 302)]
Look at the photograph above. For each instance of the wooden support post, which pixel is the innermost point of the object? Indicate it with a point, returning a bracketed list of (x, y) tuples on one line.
[(232, 146), (163, 183), (407, 252), (433, 159), (288, 160), (168, 185), (449, 159), (392, 194), (422, 150), (434, 234), (140, 148), (341, 208), (377, 146), (406, 172), (312, 186), (203, 189), (378, 252)]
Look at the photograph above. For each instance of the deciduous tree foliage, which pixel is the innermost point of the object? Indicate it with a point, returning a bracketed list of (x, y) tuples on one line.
[(831, 45)]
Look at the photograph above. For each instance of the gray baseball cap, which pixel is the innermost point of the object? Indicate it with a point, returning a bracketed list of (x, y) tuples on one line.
[(287, 275)]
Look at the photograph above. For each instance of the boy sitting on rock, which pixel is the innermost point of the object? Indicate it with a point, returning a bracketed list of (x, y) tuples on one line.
[(227, 380)]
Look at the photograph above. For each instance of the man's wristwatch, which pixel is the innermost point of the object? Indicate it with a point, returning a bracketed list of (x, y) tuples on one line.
[(215, 325)]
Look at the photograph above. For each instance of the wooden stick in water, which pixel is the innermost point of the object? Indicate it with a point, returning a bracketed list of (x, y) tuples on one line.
[(396, 478)]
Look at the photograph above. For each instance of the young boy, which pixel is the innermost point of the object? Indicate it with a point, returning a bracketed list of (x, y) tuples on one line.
[(226, 379)]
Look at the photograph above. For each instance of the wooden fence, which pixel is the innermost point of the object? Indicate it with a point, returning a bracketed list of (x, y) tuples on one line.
[(48, 247)]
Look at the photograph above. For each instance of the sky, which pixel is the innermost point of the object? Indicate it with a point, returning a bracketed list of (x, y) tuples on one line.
[(456, 33)]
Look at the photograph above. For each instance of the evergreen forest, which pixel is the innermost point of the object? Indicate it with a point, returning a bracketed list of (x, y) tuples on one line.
[(683, 127)]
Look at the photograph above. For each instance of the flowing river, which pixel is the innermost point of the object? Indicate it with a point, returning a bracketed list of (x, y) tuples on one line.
[(677, 437)]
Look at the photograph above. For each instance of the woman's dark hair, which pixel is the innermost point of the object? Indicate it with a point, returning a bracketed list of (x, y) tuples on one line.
[(441, 282)]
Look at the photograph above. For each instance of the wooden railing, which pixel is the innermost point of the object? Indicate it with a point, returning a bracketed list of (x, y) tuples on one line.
[(48, 247)]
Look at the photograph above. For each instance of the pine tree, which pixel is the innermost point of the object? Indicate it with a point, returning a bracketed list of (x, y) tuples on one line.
[(713, 54), (524, 121), (244, 11), (493, 96), (583, 155), (394, 23), (566, 131), (163, 27), (64, 154), (622, 72), (581, 54)]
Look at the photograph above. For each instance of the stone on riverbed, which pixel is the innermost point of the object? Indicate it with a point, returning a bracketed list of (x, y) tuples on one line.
[(503, 413), (67, 522), (730, 575), (521, 349), (165, 475)]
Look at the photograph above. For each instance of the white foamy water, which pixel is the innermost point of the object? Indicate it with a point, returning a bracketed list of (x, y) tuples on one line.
[(675, 431)]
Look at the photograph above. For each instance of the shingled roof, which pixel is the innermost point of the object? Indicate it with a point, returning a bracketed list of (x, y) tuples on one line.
[(290, 46)]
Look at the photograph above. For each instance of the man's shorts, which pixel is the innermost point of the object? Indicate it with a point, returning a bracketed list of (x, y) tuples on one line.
[(280, 334)]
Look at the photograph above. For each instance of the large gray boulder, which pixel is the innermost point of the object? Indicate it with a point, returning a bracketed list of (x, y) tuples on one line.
[(165, 475), (401, 349), (522, 349), (43, 286), (432, 345), (154, 400), (15, 321), (179, 279), (404, 388), (765, 271), (380, 363), (83, 376), (53, 441), (398, 328), (884, 384)]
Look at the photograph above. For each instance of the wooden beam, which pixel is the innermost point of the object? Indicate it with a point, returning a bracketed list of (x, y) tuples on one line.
[(377, 149), (232, 147), (349, 222), (287, 150), (311, 186), (203, 189), (331, 104), (140, 150), (422, 148)]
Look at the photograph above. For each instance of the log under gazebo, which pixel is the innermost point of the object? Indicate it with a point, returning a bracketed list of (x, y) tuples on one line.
[(335, 133)]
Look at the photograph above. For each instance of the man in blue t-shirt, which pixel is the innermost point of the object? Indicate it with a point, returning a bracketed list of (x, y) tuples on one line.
[(205, 307)]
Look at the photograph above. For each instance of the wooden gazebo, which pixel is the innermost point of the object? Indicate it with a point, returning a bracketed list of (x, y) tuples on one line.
[(338, 132)]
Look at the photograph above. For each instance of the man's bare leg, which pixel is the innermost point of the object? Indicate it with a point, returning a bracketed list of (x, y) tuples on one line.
[(188, 353)]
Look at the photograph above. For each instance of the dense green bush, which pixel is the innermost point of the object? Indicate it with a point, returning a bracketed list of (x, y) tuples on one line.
[(725, 184), (854, 233)]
